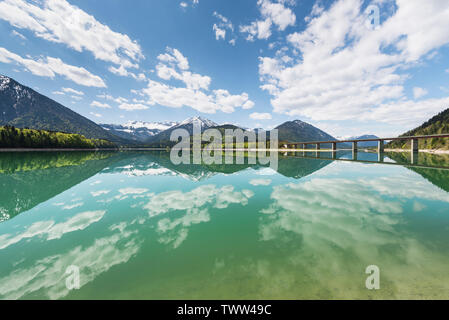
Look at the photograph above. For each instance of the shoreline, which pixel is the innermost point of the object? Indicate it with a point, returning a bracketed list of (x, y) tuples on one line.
[(74, 150), (437, 151)]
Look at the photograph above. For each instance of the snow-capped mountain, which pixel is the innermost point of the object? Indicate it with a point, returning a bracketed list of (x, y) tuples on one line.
[(142, 131), (138, 130), (205, 123), (187, 124), (161, 126)]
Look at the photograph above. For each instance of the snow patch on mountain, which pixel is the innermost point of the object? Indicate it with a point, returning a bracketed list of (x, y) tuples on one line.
[(161, 126), (4, 82), (205, 123)]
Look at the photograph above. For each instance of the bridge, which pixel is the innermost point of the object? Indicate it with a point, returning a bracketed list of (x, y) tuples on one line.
[(380, 160), (380, 143)]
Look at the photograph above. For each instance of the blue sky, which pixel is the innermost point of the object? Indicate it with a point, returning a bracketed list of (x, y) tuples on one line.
[(257, 63)]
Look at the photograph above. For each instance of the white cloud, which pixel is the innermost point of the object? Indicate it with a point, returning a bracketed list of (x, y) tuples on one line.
[(49, 67), (77, 98), (18, 34), (126, 191), (53, 230), (184, 4), (281, 16), (195, 205), (225, 22), (99, 193), (208, 194), (100, 105), (70, 90), (47, 275), (192, 80), (98, 115), (407, 112), (132, 106), (174, 65), (260, 116), (260, 29), (59, 21), (419, 92), (317, 214), (174, 56), (108, 97), (73, 206), (346, 71), (272, 13), (260, 182), (122, 71), (219, 33), (223, 25)]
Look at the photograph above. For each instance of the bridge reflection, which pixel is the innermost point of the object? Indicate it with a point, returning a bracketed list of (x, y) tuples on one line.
[(386, 158)]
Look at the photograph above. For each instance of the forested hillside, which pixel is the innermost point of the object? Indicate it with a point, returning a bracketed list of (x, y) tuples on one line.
[(11, 137), (436, 125)]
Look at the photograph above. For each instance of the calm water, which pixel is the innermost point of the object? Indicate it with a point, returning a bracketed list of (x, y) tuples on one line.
[(139, 227)]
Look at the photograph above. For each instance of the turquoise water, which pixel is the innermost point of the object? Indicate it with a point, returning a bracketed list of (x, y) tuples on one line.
[(139, 227)]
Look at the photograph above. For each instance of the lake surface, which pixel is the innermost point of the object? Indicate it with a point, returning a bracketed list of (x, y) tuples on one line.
[(139, 227)]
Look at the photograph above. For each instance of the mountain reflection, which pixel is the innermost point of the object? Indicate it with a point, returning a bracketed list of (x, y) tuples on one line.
[(27, 179)]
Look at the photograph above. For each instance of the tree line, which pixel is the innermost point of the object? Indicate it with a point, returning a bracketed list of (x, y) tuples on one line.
[(11, 137)]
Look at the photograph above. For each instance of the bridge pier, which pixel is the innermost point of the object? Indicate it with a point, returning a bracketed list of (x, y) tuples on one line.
[(414, 145), (380, 157), (414, 157), (380, 146)]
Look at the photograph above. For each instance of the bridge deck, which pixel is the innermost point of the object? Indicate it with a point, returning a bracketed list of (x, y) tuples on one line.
[(378, 139)]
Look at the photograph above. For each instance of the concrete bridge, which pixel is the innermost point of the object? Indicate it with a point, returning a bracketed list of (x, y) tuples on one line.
[(380, 143)]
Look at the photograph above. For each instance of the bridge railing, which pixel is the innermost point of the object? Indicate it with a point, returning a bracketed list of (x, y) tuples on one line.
[(380, 142)]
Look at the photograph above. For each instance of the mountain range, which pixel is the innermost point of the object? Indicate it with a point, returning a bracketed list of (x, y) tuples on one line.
[(138, 131), (22, 107)]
